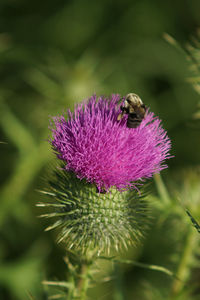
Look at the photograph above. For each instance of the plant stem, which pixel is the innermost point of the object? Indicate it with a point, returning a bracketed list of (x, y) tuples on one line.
[(83, 282), (71, 291), (184, 264)]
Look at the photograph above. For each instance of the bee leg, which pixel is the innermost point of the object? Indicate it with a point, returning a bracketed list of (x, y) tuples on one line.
[(119, 117), (123, 109)]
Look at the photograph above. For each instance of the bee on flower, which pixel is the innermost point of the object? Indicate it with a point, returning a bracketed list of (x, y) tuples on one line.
[(97, 145)]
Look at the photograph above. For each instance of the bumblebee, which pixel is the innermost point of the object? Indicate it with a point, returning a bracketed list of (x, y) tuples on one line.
[(134, 108)]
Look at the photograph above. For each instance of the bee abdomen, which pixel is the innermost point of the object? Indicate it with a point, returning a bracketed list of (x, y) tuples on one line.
[(132, 121)]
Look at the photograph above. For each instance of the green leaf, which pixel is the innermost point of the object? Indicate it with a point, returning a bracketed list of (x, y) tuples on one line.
[(194, 222)]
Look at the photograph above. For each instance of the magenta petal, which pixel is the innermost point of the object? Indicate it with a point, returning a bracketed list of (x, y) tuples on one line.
[(95, 146)]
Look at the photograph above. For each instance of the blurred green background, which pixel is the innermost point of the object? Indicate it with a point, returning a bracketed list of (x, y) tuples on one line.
[(56, 53)]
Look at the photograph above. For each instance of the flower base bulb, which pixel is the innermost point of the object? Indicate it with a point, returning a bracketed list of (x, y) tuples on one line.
[(88, 221)]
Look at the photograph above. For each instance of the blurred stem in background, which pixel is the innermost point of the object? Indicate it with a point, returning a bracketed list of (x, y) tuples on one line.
[(162, 190), (31, 158), (183, 271), (190, 245), (119, 293)]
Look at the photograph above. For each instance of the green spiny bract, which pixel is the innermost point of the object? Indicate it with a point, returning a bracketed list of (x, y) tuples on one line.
[(91, 221)]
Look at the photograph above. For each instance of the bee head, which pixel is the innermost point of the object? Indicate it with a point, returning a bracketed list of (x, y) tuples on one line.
[(134, 99)]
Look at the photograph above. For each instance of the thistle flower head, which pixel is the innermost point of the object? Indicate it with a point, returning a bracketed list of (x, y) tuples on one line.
[(97, 147)]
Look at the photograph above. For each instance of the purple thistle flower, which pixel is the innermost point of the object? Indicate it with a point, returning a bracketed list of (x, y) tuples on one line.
[(97, 147)]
